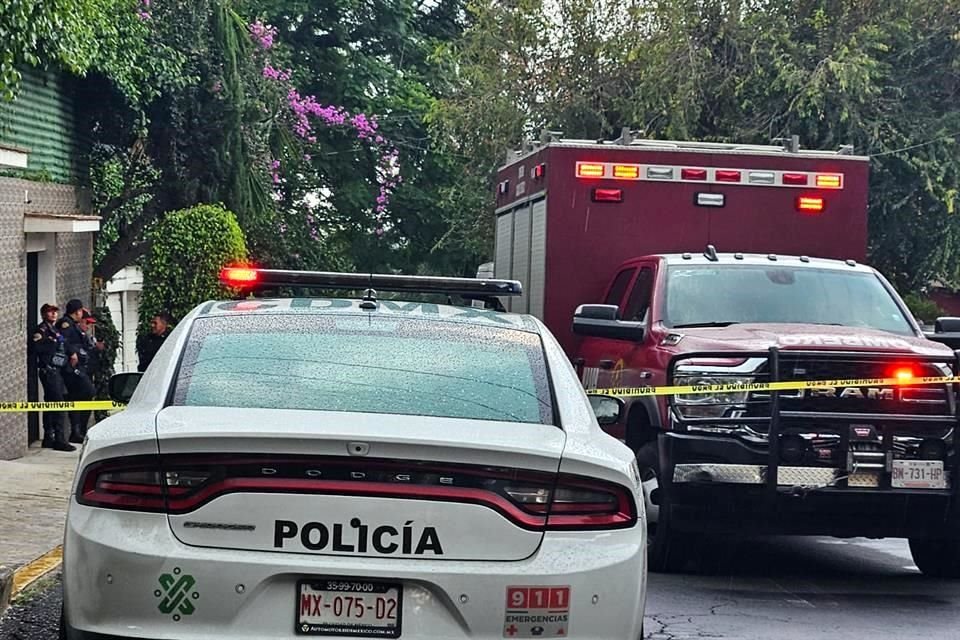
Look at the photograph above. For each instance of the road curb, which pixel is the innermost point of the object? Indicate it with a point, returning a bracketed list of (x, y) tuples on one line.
[(13, 582), (6, 587)]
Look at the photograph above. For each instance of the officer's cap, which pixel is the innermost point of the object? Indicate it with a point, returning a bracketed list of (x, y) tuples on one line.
[(48, 307), (73, 306)]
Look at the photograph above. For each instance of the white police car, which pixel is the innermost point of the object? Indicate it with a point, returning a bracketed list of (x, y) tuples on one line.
[(293, 467)]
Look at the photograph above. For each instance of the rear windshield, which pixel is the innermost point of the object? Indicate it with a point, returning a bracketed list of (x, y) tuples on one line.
[(371, 365), (729, 294)]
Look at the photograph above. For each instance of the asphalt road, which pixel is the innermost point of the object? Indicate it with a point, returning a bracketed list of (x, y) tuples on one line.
[(780, 588), (806, 589)]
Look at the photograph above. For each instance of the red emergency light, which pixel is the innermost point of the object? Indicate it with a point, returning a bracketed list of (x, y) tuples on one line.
[(693, 174), (238, 276), (607, 195), (810, 204), (539, 170), (727, 175), (798, 179), (903, 373)]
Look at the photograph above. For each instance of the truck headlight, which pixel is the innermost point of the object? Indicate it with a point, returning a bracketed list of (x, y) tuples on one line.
[(710, 405)]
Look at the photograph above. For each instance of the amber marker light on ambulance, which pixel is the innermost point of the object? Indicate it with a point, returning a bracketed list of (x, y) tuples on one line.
[(829, 180), (590, 170)]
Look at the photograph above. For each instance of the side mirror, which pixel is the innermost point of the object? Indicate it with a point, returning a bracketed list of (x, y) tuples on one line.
[(946, 325), (607, 409), (122, 386), (602, 321)]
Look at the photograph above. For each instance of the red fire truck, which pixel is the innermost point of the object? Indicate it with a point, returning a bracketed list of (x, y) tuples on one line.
[(616, 244)]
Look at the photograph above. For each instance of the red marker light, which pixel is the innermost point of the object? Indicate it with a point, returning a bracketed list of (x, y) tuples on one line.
[(725, 175), (238, 275), (693, 174), (808, 204), (795, 178), (608, 195)]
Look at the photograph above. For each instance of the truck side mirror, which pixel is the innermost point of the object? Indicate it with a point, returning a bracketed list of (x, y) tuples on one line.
[(602, 321), (946, 325), (945, 331)]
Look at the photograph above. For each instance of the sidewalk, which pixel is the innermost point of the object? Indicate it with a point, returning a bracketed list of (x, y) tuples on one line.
[(34, 492)]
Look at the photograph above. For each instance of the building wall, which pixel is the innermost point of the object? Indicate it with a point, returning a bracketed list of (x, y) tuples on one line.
[(73, 262), (42, 119), (13, 311), (74, 265), (123, 299)]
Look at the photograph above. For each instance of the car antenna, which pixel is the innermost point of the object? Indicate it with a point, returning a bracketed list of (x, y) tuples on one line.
[(711, 253)]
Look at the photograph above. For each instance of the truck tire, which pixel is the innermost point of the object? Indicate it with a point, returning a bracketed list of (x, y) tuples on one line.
[(667, 550), (937, 557)]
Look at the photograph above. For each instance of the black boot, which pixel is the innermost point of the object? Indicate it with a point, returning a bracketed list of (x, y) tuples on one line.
[(63, 446), (76, 434)]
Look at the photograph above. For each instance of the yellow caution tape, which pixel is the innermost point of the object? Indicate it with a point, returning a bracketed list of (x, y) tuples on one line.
[(622, 392), (80, 405), (793, 385)]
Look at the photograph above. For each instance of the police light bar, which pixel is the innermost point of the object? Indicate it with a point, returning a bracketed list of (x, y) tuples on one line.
[(252, 279)]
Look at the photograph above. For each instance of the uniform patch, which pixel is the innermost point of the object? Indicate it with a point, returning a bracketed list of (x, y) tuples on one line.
[(65, 325), (37, 337)]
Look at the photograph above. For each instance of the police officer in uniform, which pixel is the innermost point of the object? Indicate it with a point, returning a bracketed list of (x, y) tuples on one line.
[(47, 345), (79, 386)]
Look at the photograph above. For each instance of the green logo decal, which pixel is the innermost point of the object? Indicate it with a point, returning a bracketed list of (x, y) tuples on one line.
[(176, 592)]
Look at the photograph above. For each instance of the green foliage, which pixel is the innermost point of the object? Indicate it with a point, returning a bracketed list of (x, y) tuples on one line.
[(107, 36), (923, 309), (104, 361), (883, 76), (121, 182), (189, 247)]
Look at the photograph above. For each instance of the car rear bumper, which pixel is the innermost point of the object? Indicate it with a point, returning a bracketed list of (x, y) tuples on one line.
[(717, 484), (113, 563)]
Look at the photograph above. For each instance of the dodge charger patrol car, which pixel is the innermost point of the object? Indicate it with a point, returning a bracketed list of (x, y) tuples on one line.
[(367, 467)]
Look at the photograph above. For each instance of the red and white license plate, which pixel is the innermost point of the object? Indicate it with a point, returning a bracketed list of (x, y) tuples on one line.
[(918, 474), (352, 607)]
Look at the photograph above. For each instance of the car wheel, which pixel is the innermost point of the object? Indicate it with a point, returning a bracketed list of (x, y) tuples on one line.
[(937, 557)]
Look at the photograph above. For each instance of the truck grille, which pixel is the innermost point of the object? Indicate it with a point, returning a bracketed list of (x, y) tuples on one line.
[(916, 400)]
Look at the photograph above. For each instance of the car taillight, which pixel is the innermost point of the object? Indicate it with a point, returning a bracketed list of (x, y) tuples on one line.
[(533, 500), (136, 483), (575, 503)]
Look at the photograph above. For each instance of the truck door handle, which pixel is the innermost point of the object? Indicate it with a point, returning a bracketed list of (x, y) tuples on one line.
[(645, 375)]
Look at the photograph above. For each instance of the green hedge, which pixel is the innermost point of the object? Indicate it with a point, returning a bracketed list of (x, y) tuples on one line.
[(188, 249)]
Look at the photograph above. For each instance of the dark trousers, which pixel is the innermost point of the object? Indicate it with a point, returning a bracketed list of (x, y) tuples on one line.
[(54, 390), (79, 388)]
